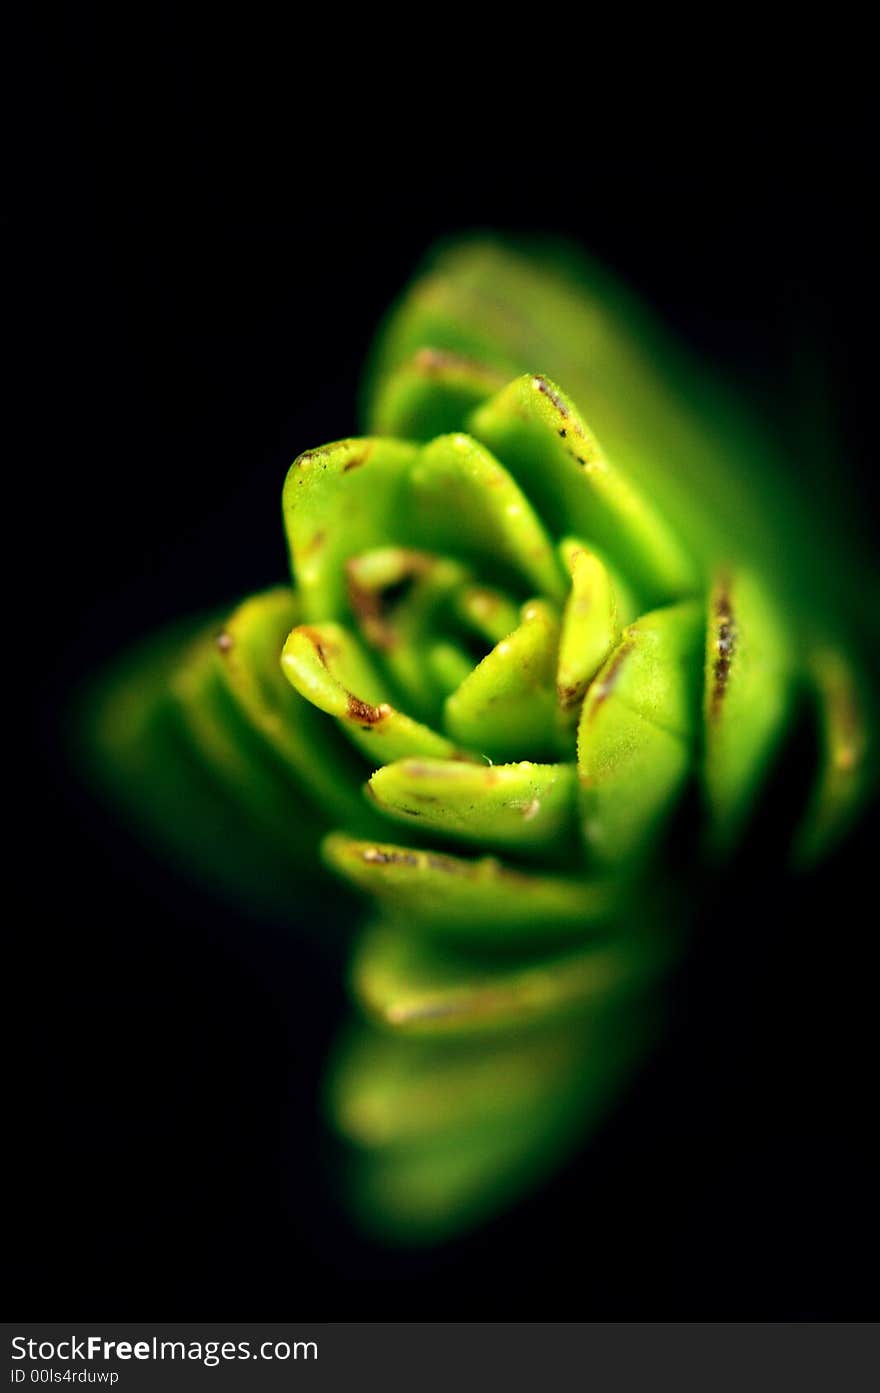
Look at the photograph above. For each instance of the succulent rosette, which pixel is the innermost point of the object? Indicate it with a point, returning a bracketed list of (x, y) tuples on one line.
[(553, 620)]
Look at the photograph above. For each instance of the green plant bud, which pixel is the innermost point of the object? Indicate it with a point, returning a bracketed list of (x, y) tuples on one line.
[(510, 656)]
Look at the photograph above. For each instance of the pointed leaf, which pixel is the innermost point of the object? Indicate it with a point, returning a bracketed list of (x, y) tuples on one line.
[(409, 984), (656, 669), (340, 500), (843, 777), (139, 750), (545, 444), (747, 699), (514, 805), (473, 901), (637, 731), (328, 667), (388, 1092), (431, 1191), (465, 502), (590, 625), (249, 646), (236, 756), (506, 706)]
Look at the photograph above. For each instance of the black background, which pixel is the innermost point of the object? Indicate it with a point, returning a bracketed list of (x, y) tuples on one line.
[(206, 246)]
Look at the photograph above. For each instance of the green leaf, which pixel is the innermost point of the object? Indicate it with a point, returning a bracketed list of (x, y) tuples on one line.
[(463, 501), (748, 697), (487, 612), (526, 806), (404, 628), (340, 500), (236, 756), (410, 984), (444, 1134), (542, 439), (430, 1192), (391, 1092), (139, 748), (590, 625), (473, 901), (687, 443), (839, 693), (328, 667), (447, 665), (637, 732), (506, 706), (431, 394), (249, 647)]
